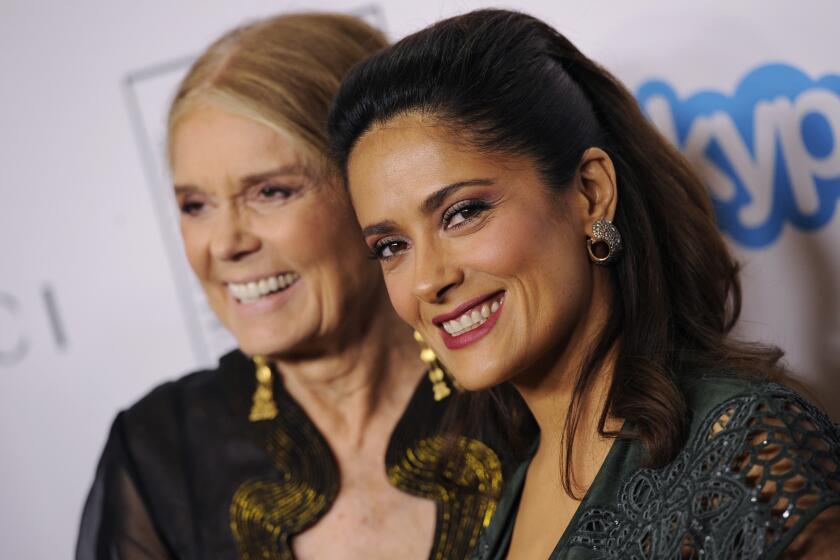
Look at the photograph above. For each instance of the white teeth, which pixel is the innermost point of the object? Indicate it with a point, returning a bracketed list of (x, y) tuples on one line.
[(249, 292), (252, 290), (471, 319)]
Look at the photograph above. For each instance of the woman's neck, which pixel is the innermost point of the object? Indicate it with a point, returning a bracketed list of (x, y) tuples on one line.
[(550, 400), (590, 448), (549, 393), (357, 388)]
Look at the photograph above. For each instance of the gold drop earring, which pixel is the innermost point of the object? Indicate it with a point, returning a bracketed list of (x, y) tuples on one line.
[(436, 374), (264, 407)]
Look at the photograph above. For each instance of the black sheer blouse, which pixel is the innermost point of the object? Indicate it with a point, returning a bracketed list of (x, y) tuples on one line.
[(185, 474)]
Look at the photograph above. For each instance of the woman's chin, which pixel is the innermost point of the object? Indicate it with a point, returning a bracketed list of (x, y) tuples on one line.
[(475, 383), (267, 345)]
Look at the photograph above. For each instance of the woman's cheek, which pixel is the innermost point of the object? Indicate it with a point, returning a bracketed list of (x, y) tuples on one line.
[(499, 248), (399, 291)]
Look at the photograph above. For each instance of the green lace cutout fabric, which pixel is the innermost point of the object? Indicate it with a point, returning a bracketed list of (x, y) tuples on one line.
[(760, 468)]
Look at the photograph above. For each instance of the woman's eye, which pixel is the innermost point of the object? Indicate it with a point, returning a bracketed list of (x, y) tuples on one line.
[(463, 212), (461, 217), (272, 192), (191, 208), (269, 193), (387, 249)]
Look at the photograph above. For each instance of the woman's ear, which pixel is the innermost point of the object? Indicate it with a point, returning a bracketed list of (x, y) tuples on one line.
[(597, 186)]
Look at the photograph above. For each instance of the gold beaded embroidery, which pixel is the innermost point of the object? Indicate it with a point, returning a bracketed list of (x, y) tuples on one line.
[(267, 512), (466, 489)]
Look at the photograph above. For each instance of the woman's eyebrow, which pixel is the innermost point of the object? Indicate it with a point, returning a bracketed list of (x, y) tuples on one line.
[(434, 200), (380, 228), (254, 178), (184, 190), (283, 170)]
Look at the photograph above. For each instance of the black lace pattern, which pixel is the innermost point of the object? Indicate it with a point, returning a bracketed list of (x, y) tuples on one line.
[(759, 469)]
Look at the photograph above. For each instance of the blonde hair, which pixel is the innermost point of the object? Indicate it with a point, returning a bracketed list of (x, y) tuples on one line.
[(281, 72)]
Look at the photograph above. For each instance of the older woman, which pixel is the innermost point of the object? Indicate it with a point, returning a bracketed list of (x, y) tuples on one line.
[(318, 437), (540, 235)]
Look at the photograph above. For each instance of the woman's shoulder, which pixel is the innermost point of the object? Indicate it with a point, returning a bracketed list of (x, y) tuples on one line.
[(187, 422), (760, 462), (766, 436), (164, 452), (714, 396), (202, 389)]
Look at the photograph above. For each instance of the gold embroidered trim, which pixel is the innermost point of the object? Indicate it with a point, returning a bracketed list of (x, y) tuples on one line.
[(266, 512), (466, 489)]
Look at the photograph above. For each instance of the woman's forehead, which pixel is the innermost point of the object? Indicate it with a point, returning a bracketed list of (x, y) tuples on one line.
[(211, 142)]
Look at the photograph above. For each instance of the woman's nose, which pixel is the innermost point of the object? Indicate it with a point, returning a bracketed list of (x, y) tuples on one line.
[(232, 238), (434, 274)]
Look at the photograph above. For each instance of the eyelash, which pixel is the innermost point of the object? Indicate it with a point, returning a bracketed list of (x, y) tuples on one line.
[(191, 208), (379, 247), (476, 205), (286, 191)]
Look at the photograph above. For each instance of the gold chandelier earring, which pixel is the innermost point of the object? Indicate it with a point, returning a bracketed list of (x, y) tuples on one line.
[(437, 375), (264, 407)]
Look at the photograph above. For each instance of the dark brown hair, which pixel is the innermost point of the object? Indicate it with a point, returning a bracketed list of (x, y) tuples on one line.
[(512, 84)]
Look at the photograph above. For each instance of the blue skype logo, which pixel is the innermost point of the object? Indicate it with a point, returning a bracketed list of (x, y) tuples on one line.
[(769, 154)]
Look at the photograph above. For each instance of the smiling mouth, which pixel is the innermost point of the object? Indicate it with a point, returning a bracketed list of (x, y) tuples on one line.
[(474, 317), (252, 292)]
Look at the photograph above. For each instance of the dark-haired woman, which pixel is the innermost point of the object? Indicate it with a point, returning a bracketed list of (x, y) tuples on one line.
[(545, 239)]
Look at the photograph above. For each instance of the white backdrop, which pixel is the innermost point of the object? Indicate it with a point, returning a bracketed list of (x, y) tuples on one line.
[(95, 303)]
